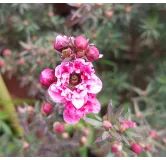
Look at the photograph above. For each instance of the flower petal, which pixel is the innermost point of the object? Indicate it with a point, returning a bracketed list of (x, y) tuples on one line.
[(95, 85), (55, 95), (78, 102)]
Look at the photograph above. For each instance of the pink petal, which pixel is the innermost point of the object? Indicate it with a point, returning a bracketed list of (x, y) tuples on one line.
[(54, 94), (71, 115), (96, 85), (95, 106), (78, 102)]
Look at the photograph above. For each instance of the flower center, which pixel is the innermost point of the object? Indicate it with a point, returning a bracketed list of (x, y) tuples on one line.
[(75, 79)]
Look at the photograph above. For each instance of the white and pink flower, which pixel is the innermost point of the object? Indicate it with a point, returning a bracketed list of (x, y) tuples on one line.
[(75, 81)]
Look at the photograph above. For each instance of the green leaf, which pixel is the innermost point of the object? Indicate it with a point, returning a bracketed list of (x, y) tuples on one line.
[(93, 122)]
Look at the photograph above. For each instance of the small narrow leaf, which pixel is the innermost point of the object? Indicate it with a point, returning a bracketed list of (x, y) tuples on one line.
[(93, 122), (109, 111)]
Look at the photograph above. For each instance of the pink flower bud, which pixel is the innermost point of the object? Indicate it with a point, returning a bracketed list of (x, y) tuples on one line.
[(50, 14), (136, 148), (2, 63), (164, 140), (47, 77), (116, 147), (108, 14), (107, 125), (47, 108), (6, 52), (153, 134), (92, 53), (126, 125), (58, 127), (128, 9), (148, 147), (21, 62), (61, 42), (80, 43)]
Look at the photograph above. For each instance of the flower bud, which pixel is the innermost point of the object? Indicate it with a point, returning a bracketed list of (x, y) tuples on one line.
[(108, 14), (164, 140), (26, 23), (47, 77), (58, 127), (153, 134), (26, 146), (2, 63), (147, 147), (80, 43), (116, 147), (126, 125), (92, 53), (136, 148), (83, 141), (21, 62), (6, 52), (47, 108), (50, 14), (61, 42), (65, 135), (128, 9), (107, 125)]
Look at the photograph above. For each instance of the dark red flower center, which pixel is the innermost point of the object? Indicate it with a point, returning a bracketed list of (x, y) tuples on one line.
[(75, 79)]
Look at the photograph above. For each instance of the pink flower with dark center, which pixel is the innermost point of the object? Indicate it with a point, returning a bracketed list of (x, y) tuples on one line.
[(72, 115), (61, 42), (80, 43), (75, 82)]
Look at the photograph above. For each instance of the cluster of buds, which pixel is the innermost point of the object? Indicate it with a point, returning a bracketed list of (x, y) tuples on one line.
[(125, 125), (153, 134), (70, 47)]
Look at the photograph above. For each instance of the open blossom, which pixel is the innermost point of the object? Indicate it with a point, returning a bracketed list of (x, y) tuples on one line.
[(75, 82)]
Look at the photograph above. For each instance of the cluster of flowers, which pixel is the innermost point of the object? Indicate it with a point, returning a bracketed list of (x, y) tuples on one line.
[(74, 82)]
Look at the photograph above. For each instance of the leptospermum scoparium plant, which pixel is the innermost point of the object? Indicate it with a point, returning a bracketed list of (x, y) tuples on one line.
[(74, 82)]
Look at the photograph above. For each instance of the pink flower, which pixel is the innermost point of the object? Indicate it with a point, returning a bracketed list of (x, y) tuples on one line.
[(80, 43), (6, 52), (72, 115), (92, 53), (61, 42), (47, 77), (75, 82)]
